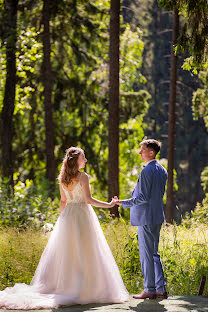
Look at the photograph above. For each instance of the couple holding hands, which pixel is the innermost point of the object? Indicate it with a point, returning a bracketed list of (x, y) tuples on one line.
[(77, 266)]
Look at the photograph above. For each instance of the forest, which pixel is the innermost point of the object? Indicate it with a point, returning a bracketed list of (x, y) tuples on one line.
[(73, 75)]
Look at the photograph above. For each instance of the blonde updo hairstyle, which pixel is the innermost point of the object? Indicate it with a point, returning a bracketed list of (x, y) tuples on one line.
[(70, 168)]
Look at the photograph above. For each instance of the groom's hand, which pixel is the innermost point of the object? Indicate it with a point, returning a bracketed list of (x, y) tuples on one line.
[(114, 201), (117, 201)]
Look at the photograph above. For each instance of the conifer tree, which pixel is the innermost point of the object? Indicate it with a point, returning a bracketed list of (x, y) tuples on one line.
[(47, 83), (10, 35), (113, 123)]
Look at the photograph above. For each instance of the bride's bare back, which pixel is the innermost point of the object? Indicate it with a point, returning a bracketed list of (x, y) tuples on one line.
[(83, 179)]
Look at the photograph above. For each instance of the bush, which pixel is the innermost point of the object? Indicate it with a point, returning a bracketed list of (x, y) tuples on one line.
[(200, 214), (26, 207)]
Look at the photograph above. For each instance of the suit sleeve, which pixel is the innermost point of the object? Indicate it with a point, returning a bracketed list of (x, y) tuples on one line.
[(145, 183)]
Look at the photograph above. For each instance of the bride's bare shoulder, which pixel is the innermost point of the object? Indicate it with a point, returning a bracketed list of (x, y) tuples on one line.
[(84, 178)]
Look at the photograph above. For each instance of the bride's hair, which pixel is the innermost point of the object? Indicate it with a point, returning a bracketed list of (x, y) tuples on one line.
[(69, 168)]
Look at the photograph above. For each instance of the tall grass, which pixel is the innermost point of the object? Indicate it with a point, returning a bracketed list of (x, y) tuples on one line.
[(184, 253), (185, 258), (19, 255)]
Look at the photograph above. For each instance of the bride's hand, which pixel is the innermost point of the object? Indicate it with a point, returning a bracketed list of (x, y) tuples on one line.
[(115, 201), (118, 202)]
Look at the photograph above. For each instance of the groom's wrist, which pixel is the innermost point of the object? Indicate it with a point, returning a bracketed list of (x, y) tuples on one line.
[(125, 203)]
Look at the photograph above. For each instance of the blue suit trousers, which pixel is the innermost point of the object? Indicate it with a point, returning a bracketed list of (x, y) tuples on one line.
[(148, 238)]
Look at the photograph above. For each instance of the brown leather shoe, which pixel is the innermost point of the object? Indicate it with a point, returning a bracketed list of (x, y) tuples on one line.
[(162, 295), (144, 295)]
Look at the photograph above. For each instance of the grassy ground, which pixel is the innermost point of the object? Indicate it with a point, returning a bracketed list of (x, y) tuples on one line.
[(184, 253)]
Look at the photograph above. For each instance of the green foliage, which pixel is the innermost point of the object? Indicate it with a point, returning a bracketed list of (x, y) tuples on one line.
[(156, 24), (194, 32), (131, 59), (189, 65), (25, 207), (28, 62), (200, 214), (133, 104), (79, 58), (167, 4), (204, 180), (193, 36), (164, 163), (200, 99)]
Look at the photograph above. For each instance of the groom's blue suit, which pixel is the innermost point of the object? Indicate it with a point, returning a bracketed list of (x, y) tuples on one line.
[(146, 212)]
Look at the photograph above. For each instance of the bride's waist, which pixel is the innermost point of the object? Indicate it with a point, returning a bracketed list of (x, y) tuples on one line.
[(75, 204)]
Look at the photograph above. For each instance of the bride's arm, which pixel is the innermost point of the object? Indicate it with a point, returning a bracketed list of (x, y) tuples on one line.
[(63, 200), (89, 199)]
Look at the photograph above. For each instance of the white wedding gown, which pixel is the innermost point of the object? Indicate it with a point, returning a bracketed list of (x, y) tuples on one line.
[(76, 267)]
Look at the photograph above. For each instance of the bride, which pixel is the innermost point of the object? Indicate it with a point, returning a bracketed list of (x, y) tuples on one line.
[(77, 266)]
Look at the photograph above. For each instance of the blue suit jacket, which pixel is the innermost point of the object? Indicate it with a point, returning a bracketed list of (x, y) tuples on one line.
[(146, 204)]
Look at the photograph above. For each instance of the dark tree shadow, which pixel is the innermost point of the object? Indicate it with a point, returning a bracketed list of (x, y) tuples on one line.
[(149, 306), (146, 305)]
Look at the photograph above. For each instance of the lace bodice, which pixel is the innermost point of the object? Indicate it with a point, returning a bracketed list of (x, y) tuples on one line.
[(76, 195)]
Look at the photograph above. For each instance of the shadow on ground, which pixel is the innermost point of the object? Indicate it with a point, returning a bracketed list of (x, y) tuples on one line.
[(172, 304), (148, 305), (189, 303)]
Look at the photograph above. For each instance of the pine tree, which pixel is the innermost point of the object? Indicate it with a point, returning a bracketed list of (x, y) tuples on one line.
[(10, 34), (47, 83), (113, 124), (172, 121)]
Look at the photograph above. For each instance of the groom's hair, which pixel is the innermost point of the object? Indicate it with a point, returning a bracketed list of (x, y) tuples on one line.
[(152, 144)]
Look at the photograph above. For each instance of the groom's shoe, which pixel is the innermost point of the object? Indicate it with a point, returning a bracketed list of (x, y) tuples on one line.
[(145, 295), (162, 295)]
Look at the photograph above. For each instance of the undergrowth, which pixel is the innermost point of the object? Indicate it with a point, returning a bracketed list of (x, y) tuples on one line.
[(183, 252)]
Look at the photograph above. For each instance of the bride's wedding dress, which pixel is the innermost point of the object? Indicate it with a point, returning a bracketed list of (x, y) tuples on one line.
[(76, 267)]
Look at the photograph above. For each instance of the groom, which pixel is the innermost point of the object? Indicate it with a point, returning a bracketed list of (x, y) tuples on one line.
[(146, 212)]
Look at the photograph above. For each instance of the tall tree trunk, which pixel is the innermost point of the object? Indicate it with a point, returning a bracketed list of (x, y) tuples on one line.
[(33, 150), (10, 88), (171, 121), (113, 122), (47, 83)]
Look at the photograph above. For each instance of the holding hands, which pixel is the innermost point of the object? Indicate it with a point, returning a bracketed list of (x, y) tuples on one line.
[(115, 201)]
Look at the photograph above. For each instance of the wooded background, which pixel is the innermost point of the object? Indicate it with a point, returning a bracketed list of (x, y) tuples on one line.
[(55, 92)]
